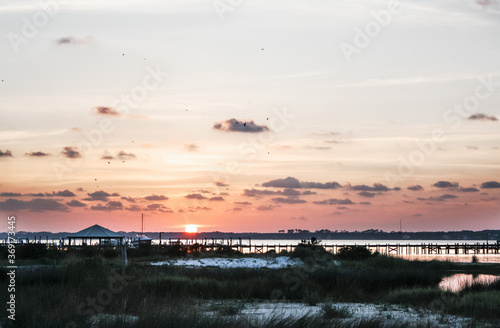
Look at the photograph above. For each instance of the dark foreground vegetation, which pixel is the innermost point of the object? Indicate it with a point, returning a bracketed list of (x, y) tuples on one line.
[(87, 287)]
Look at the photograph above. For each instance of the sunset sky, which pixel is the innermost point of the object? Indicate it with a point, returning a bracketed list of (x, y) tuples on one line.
[(250, 116)]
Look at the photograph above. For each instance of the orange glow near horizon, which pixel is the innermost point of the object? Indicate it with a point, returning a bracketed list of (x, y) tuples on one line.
[(191, 228)]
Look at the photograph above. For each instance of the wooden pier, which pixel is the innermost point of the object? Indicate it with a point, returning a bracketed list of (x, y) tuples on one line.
[(245, 245)]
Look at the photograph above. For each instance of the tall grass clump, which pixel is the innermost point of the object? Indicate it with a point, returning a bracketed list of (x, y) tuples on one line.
[(419, 297)]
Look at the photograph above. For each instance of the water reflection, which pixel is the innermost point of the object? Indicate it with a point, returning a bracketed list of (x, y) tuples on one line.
[(458, 281)]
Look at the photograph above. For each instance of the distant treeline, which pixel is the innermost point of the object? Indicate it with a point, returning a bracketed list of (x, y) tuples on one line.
[(373, 234)]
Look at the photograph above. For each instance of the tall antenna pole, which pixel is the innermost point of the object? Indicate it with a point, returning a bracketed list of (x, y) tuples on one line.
[(142, 220)]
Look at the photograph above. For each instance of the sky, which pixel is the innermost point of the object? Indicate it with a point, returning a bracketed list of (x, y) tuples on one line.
[(249, 115)]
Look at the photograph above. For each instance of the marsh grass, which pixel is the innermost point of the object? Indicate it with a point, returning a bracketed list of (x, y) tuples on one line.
[(167, 296), (417, 297), (331, 311)]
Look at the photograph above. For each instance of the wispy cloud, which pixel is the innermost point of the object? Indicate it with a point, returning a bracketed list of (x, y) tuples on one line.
[(156, 197), (68, 40), (191, 147), (291, 182), (110, 206), (334, 201), (438, 199), (288, 200), (37, 154), (482, 117), (34, 205)]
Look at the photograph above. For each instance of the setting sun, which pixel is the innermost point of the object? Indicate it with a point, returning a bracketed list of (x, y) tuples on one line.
[(191, 228)]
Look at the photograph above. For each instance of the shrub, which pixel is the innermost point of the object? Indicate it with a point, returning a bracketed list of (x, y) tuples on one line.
[(354, 253)]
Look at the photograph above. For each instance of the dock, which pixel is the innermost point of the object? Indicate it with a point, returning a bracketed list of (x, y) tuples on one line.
[(245, 245)]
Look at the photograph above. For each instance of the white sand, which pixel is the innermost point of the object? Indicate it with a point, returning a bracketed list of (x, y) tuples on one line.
[(245, 262), (390, 313)]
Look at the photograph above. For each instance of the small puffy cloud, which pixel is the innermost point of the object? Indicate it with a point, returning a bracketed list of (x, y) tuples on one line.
[(75, 203), (415, 188), (234, 125), (217, 199), (103, 110), (490, 184), (98, 195), (365, 203), (195, 196), (366, 194), (334, 201), (129, 199), (71, 152), (446, 184), (375, 187), (220, 184), (482, 117), (34, 205), (6, 153), (309, 192), (237, 209), (300, 218), (291, 182), (110, 206), (288, 200), (156, 197), (37, 154), (10, 194), (191, 147), (64, 193)]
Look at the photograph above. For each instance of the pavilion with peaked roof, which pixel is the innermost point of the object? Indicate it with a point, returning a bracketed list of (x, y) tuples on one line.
[(93, 233)]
